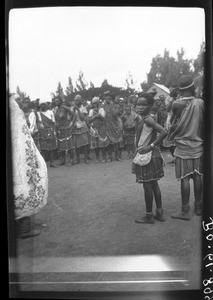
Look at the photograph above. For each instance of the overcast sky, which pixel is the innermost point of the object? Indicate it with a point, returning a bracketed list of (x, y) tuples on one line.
[(47, 45)]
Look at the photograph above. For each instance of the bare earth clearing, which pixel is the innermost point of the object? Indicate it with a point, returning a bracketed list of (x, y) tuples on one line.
[(91, 211)]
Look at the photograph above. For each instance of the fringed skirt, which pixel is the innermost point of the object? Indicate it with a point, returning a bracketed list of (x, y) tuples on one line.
[(103, 142), (81, 136), (47, 139), (94, 140), (152, 171), (98, 142), (129, 138), (65, 139), (187, 167)]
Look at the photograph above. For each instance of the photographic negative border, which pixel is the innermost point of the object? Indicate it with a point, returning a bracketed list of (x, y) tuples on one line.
[(208, 214)]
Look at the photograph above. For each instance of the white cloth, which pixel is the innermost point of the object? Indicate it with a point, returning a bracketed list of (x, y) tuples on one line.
[(83, 110), (30, 179), (32, 120), (142, 159), (102, 112), (91, 113), (49, 114)]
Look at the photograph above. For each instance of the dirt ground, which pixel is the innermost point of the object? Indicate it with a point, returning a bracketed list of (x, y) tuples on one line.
[(91, 211)]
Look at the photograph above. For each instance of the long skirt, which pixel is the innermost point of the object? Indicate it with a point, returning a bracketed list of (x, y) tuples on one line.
[(81, 136), (65, 139), (187, 167), (47, 139), (103, 142), (152, 171), (94, 138), (129, 138)]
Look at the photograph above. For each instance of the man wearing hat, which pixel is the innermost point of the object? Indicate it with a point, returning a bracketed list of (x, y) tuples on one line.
[(187, 123)]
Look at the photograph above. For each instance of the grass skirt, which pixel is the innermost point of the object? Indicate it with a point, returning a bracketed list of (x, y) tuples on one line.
[(81, 136), (81, 139), (187, 167), (128, 138), (47, 139), (152, 171), (94, 142), (103, 142), (65, 140)]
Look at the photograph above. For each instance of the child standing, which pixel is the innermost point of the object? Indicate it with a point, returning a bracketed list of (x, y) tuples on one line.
[(151, 171)]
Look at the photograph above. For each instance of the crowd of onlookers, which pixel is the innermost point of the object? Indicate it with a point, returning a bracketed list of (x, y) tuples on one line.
[(106, 126), (125, 114), (63, 130)]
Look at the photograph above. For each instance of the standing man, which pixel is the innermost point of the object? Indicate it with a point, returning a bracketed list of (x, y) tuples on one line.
[(187, 116)]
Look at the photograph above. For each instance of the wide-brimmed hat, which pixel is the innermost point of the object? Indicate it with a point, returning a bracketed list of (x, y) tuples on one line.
[(185, 82)]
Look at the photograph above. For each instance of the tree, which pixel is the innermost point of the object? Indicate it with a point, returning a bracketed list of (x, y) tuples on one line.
[(105, 84), (21, 94), (81, 81), (70, 89), (167, 70), (53, 95), (199, 61), (91, 84), (144, 86), (59, 91), (78, 87)]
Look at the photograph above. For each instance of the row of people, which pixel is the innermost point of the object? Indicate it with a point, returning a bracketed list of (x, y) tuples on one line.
[(104, 128), (186, 130)]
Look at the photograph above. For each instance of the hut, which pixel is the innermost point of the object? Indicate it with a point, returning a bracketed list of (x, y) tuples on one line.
[(160, 89)]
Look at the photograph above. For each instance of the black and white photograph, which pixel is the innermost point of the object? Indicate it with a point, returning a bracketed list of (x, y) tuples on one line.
[(106, 111)]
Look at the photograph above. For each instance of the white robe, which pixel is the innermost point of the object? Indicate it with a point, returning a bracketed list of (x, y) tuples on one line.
[(30, 178)]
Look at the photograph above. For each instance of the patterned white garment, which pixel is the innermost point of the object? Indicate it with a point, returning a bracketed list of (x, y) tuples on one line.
[(30, 178)]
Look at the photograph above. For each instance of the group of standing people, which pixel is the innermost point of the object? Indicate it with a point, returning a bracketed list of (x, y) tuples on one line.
[(74, 129), (185, 132), (105, 127)]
